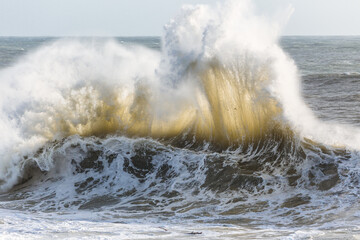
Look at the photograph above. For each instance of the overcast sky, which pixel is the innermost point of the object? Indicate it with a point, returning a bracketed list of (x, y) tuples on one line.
[(147, 17)]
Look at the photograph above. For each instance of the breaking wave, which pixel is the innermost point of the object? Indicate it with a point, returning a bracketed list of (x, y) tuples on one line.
[(213, 120)]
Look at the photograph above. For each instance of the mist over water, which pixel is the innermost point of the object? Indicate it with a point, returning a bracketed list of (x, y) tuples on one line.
[(211, 130)]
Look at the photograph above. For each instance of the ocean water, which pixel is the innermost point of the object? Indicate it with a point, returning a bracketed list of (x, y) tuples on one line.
[(219, 129)]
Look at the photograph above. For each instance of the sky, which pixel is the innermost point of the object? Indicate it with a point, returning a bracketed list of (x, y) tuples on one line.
[(147, 17)]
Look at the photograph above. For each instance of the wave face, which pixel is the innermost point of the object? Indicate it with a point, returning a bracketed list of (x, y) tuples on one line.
[(212, 127)]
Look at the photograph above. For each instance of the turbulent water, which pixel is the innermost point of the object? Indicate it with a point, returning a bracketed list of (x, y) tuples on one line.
[(219, 129)]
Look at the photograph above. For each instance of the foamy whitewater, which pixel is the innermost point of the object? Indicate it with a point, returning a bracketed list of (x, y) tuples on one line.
[(209, 133)]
